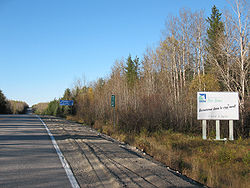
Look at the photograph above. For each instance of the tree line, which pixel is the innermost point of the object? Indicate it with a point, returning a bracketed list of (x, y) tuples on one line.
[(11, 106), (158, 91)]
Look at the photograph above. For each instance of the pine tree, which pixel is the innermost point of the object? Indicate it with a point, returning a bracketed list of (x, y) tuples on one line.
[(215, 39), (132, 70), (67, 94)]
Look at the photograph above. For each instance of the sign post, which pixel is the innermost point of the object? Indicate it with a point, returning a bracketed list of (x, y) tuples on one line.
[(217, 129), (113, 105), (231, 130), (204, 129), (217, 106)]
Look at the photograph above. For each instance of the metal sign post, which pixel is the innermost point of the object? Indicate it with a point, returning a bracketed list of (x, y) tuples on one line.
[(113, 105)]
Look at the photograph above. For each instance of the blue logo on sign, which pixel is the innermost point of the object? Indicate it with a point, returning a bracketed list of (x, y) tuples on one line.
[(202, 98)]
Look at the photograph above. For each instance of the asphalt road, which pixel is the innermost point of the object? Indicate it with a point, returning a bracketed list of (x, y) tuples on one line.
[(100, 161), (27, 156)]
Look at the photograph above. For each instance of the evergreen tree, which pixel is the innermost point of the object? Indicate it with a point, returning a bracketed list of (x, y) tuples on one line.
[(215, 40), (132, 70), (65, 110), (67, 94), (3, 103), (54, 108)]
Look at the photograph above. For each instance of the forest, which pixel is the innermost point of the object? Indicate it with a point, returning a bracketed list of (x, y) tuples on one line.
[(155, 107), (159, 90), (11, 106)]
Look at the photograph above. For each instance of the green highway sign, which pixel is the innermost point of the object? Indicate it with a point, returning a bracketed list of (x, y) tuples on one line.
[(113, 100)]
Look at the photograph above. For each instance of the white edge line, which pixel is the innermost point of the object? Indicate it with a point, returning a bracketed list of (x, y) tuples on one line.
[(65, 164)]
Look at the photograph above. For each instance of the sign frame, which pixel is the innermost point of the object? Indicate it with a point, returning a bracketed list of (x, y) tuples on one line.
[(217, 105)]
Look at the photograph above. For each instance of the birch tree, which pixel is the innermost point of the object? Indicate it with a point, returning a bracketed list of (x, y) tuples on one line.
[(240, 56)]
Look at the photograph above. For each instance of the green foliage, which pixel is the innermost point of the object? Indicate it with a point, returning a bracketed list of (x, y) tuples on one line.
[(3, 103), (216, 27), (54, 108), (215, 39), (40, 108), (66, 110), (132, 71), (67, 95)]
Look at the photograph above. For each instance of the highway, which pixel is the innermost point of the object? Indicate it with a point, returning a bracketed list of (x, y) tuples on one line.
[(27, 156), (29, 159)]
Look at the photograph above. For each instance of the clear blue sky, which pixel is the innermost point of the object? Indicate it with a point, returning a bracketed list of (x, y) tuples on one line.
[(46, 44)]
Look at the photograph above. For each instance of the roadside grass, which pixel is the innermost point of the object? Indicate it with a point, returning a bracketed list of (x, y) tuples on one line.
[(222, 164), (213, 163)]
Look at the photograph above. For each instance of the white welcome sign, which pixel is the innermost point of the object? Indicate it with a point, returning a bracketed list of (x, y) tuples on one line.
[(217, 106)]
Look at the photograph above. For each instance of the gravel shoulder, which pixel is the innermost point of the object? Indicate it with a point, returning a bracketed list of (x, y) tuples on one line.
[(100, 161)]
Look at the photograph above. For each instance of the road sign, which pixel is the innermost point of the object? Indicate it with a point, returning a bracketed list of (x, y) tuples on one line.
[(113, 100), (217, 106), (66, 102)]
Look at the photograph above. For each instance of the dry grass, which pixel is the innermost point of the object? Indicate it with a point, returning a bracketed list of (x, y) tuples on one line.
[(213, 163), (216, 164)]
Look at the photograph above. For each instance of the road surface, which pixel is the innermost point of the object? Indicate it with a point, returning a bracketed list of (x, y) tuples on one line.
[(27, 156), (100, 161)]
